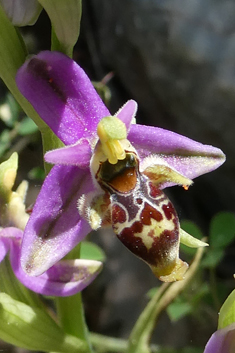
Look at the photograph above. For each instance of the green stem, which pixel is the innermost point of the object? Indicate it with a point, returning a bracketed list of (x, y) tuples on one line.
[(105, 344), (213, 287), (141, 333), (70, 310)]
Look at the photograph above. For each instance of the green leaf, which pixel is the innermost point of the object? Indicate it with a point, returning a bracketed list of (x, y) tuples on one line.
[(9, 110), (36, 173), (227, 312), (33, 329), (177, 311), (191, 228), (212, 258), (65, 16), (222, 229), (12, 56), (27, 127), (152, 292), (5, 141), (91, 251)]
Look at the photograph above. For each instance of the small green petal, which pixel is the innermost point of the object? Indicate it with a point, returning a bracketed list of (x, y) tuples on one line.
[(32, 328), (190, 241)]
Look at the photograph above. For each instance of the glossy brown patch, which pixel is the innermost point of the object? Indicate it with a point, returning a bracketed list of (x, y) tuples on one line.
[(124, 182)]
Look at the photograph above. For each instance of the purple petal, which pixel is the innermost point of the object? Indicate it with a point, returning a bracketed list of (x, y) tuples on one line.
[(55, 225), (127, 113), (62, 95), (222, 341), (4, 247), (188, 157), (78, 154), (6, 236), (63, 279)]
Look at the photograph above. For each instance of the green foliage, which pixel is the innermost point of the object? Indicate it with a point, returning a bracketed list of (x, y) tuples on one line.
[(27, 127), (32, 328), (177, 310), (222, 230), (15, 126), (91, 251), (36, 173), (221, 234), (202, 294)]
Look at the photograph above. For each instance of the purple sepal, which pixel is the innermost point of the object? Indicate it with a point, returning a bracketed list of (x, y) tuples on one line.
[(4, 247), (188, 157), (222, 341), (78, 155), (65, 278), (55, 225), (62, 94), (6, 236)]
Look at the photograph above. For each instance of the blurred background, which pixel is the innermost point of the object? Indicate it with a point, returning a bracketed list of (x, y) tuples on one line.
[(177, 60)]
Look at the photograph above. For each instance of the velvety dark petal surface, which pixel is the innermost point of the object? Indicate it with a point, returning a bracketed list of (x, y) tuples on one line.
[(188, 157), (78, 154), (127, 112), (63, 279), (62, 94), (222, 341), (55, 225)]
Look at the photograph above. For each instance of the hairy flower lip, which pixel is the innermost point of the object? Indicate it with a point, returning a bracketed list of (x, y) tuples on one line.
[(65, 99)]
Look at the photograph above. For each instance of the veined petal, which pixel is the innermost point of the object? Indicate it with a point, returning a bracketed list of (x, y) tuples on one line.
[(222, 341), (65, 278), (127, 113), (62, 95), (78, 154), (55, 225), (22, 12), (188, 157)]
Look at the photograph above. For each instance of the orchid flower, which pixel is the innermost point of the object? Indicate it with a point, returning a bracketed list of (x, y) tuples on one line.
[(66, 277), (111, 172)]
